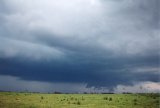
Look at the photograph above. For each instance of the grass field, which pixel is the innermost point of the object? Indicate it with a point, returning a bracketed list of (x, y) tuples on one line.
[(37, 100)]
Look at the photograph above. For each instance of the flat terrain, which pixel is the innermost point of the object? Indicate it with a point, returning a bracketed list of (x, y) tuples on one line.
[(37, 100)]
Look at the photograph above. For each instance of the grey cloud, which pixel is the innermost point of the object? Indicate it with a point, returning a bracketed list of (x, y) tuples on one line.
[(16, 48), (95, 39), (8, 83), (11, 83), (141, 87)]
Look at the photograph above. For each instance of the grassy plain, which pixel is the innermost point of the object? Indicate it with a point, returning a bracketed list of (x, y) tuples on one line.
[(38, 100)]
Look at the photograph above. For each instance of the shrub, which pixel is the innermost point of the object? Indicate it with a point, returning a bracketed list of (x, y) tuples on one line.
[(72, 98), (78, 103), (135, 100), (105, 98), (157, 101), (154, 97), (110, 99), (135, 103), (83, 98), (42, 97)]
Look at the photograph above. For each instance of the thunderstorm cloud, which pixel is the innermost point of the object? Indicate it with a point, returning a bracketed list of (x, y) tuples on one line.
[(91, 43)]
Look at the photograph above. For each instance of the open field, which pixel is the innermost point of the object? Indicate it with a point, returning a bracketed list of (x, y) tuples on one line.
[(37, 100)]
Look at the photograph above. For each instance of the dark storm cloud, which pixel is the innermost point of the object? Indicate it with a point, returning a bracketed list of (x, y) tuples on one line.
[(94, 73), (101, 43)]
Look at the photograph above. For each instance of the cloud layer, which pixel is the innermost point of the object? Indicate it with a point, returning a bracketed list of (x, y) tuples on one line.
[(102, 43)]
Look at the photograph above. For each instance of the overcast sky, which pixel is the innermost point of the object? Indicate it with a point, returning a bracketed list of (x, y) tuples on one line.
[(86, 45)]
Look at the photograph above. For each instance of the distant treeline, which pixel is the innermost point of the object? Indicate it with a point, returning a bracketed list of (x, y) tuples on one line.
[(57, 92)]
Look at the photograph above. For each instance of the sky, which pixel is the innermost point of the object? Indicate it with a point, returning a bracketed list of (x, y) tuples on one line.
[(80, 45)]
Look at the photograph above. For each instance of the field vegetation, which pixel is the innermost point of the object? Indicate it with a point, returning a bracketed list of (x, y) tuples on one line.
[(38, 100)]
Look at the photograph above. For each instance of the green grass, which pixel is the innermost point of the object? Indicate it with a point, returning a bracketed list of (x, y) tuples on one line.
[(37, 100)]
